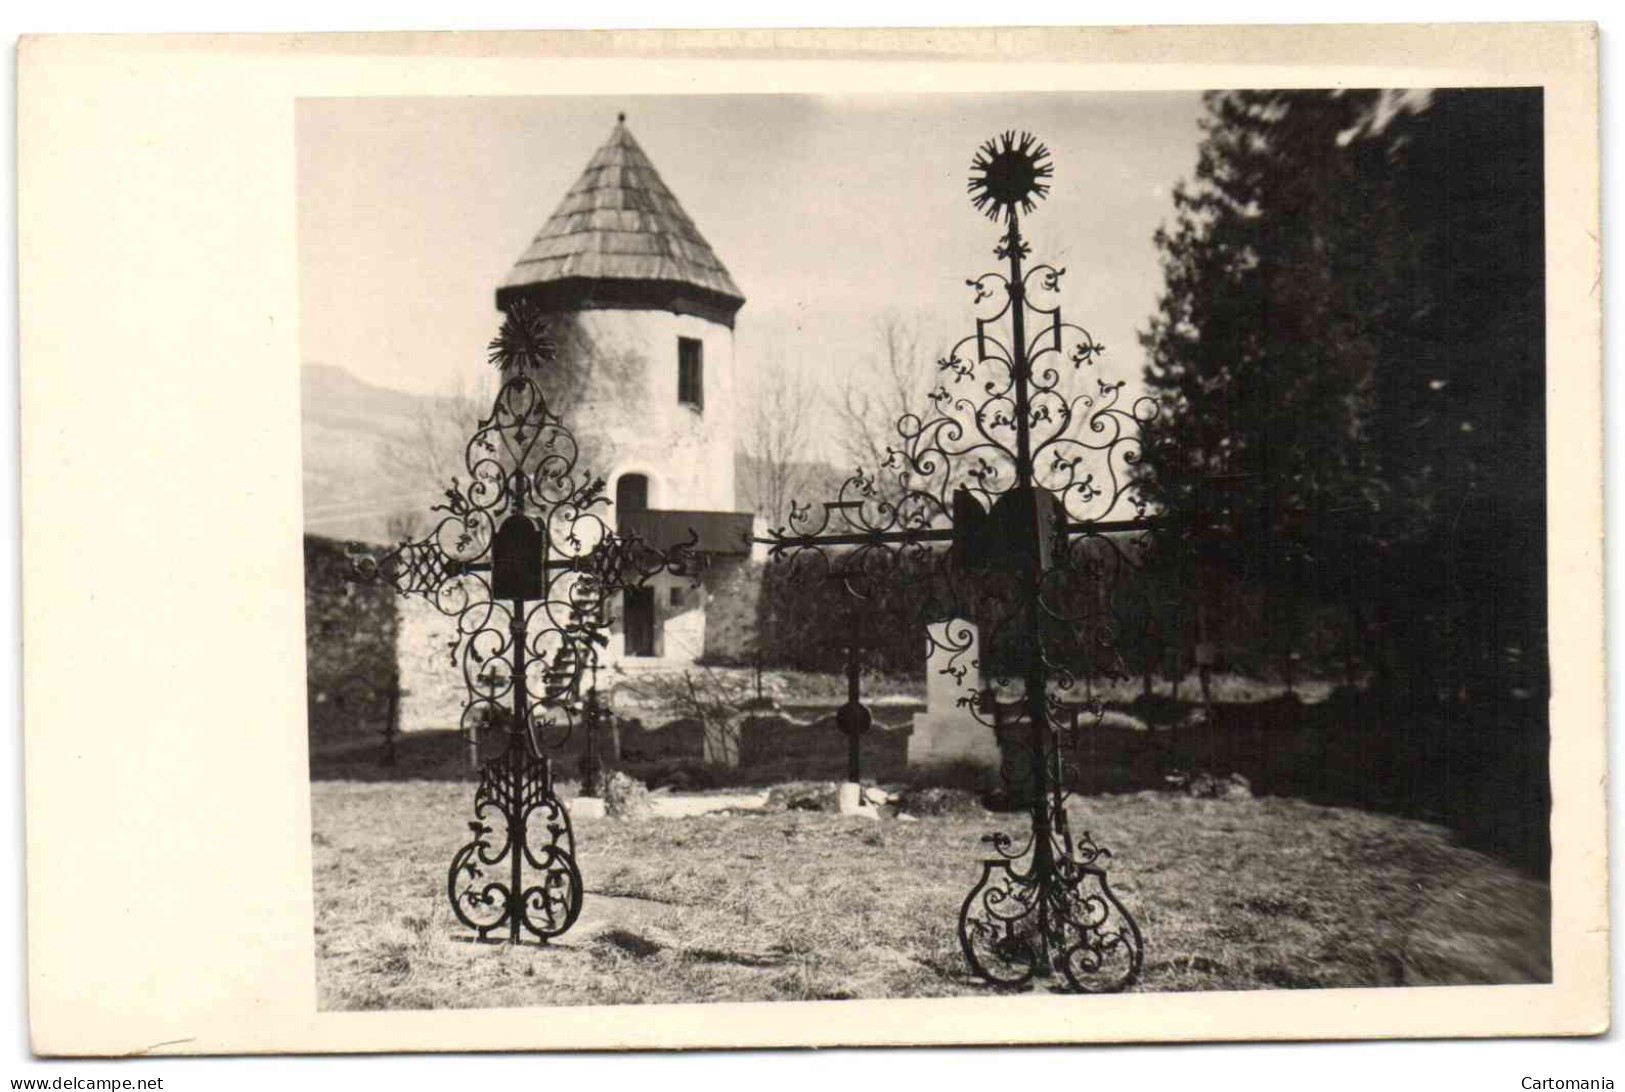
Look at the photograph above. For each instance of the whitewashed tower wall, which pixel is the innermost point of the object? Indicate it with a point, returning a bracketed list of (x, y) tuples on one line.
[(621, 264)]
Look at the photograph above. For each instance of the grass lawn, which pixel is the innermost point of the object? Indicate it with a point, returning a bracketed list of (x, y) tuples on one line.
[(1231, 895)]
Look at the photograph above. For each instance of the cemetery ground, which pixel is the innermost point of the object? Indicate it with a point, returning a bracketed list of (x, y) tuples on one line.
[(1335, 871)]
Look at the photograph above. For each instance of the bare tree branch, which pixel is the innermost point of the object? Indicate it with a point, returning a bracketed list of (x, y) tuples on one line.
[(776, 440), (433, 455), (867, 408)]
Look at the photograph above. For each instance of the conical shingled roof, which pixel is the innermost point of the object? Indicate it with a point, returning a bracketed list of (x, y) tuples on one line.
[(620, 239)]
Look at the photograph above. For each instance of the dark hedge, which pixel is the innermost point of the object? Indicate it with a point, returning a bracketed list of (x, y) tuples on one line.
[(1158, 617)]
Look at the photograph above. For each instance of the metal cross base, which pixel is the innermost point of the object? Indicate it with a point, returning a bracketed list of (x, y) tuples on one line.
[(1056, 915), (534, 839)]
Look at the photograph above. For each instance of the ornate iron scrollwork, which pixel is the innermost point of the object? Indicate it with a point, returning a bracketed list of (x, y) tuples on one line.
[(1011, 503), (524, 564), (487, 885), (1057, 913)]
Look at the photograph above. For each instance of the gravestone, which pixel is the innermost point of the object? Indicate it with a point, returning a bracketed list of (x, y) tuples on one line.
[(948, 732)]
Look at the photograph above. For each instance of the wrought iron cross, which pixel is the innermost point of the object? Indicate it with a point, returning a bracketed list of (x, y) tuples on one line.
[(993, 508), (854, 719), (524, 564)]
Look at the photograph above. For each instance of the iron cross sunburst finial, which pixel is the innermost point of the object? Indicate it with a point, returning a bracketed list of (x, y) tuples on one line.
[(1009, 172), (523, 343)]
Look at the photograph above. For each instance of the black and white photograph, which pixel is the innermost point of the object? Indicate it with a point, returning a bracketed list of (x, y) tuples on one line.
[(791, 547), (740, 541)]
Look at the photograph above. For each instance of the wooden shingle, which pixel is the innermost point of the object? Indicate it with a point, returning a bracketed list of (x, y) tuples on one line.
[(620, 223)]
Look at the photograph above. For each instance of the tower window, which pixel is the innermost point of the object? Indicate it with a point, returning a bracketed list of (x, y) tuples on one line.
[(691, 372)]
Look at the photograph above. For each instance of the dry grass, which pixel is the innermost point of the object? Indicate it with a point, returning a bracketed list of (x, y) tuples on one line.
[(1231, 895)]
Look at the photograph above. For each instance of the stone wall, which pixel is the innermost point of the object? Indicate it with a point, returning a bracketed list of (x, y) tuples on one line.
[(815, 741), (792, 743), (431, 680), (351, 635)]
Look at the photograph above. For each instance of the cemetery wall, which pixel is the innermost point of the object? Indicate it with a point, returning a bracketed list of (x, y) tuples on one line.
[(685, 753), (798, 743), (350, 647), (431, 680)]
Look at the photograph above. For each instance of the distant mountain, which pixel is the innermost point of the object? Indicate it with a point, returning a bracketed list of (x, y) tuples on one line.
[(353, 437), (360, 468)]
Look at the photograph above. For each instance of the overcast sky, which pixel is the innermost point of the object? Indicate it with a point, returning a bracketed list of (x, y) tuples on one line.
[(829, 211)]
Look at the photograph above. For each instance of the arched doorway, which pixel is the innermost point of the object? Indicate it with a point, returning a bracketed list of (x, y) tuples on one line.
[(632, 493)]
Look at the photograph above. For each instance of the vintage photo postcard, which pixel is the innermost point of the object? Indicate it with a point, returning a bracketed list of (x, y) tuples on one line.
[(825, 538)]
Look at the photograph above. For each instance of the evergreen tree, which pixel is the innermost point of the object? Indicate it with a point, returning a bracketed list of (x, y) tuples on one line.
[(1349, 355), (1459, 421)]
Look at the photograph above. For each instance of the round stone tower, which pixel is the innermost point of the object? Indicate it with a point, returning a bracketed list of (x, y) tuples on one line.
[(644, 311)]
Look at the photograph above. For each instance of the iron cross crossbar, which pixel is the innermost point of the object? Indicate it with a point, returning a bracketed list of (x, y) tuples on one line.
[(423, 568), (523, 564), (853, 719)]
